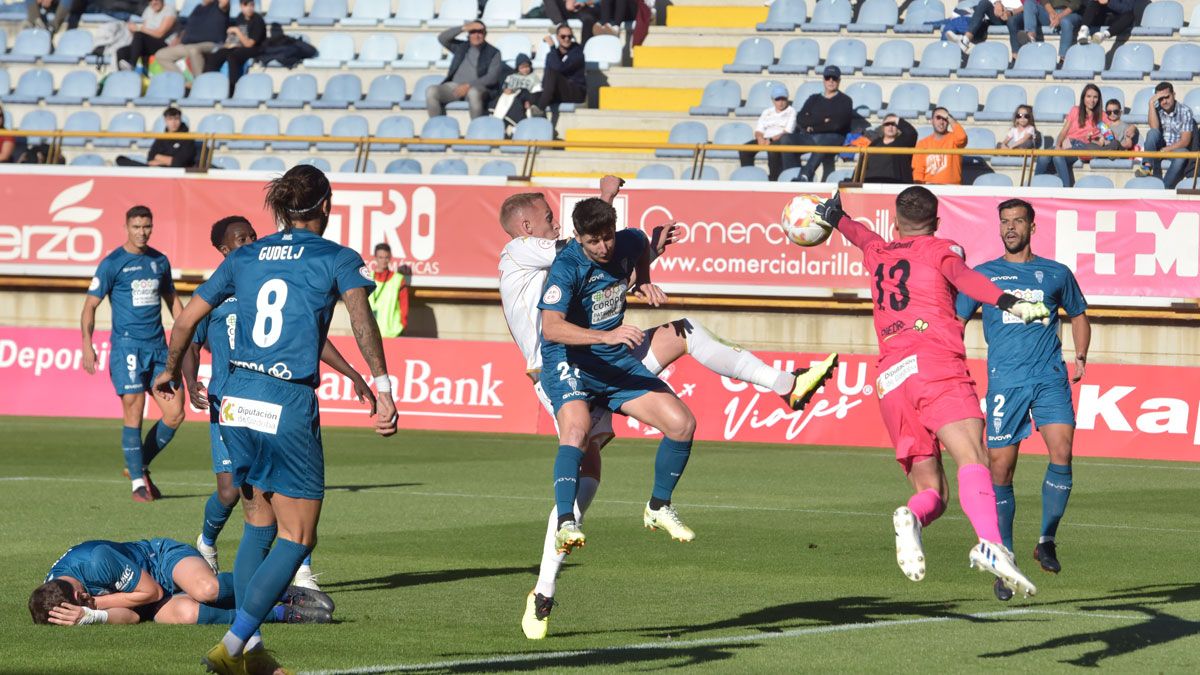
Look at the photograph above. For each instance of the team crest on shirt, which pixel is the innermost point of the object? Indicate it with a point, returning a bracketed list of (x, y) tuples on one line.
[(958, 250), (366, 273), (996, 422), (552, 295), (95, 284), (1039, 276), (154, 267)]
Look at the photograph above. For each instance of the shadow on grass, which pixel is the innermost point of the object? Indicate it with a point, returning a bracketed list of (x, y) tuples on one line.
[(406, 579), (365, 487), (632, 657)]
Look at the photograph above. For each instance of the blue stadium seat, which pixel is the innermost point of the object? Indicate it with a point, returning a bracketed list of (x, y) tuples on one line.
[(484, 128), (1035, 60), (1140, 108), (77, 86), (908, 100), (988, 59), (536, 129), (876, 16), (1049, 180), (333, 51), (378, 51), (300, 125), (1181, 61), (251, 91), (829, 16), (500, 13), (215, 123), (804, 91), (122, 122), (1162, 17), (31, 44), (892, 58), (1132, 61), (757, 99), (395, 126), (87, 159), (81, 120), (731, 133), (325, 13), (789, 175), (919, 14), (225, 162), (207, 90), (961, 100), (33, 86), (420, 52), (6, 86), (691, 133), (349, 126), (1052, 103), (798, 56), (498, 167), (410, 14), (1094, 181), (1193, 26), (1083, 62), (753, 54), (749, 174), (849, 54), (119, 88), (938, 59), (455, 13), (264, 124), (369, 13), (273, 164), (979, 138), (164, 89), (284, 12), (403, 166), (341, 91), (441, 127), (385, 92), (838, 176), (1192, 100), (994, 179), (416, 99), (350, 166), (706, 172), (1002, 101), (73, 47), (512, 45), (449, 167), (38, 120), (319, 162), (295, 91), (784, 15), (720, 98), (658, 171), (867, 97), (603, 51), (1145, 183)]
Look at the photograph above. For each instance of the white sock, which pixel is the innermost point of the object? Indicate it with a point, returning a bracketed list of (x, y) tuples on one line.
[(651, 362), (138, 483), (551, 559), (255, 642), (233, 644), (731, 360)]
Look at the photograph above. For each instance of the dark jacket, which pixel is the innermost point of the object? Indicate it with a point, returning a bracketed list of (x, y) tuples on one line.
[(571, 64), (839, 110), (1121, 6), (284, 49), (892, 168), (207, 23), (181, 151), (488, 71)]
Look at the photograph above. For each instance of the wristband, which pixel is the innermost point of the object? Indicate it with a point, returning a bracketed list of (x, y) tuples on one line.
[(93, 616), (1006, 301), (383, 384)]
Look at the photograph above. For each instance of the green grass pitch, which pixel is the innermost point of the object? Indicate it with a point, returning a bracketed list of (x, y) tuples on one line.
[(429, 543)]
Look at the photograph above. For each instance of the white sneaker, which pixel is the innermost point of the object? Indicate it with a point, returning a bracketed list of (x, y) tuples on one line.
[(910, 553), (209, 553), (995, 559), (1084, 31), (1100, 37), (306, 579), (668, 519)]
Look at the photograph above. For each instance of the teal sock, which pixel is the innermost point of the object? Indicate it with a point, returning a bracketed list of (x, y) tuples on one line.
[(226, 593), (269, 581), (131, 446), (215, 615), (669, 464), (566, 480), (1056, 490), (1006, 510), (256, 543), (216, 515), (160, 434)]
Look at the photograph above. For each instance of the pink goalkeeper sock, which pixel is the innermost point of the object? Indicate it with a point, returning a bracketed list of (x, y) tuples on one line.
[(927, 505), (978, 500)]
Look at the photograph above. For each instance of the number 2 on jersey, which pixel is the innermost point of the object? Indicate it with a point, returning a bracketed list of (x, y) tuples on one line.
[(899, 274), (268, 320)]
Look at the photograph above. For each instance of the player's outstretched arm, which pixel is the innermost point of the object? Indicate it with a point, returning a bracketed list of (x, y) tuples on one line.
[(979, 287), (1081, 335), (556, 328), (370, 344), (642, 286), (87, 324), (609, 187), (831, 214), (181, 341), (331, 356), (663, 236), (191, 370)]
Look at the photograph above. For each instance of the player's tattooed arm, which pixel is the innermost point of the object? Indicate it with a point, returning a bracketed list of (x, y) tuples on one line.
[(370, 344), (181, 341), (331, 356), (87, 324), (1081, 335)]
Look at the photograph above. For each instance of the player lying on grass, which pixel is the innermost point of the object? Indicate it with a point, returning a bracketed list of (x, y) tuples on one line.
[(926, 395), (160, 580), (217, 334), (524, 263)]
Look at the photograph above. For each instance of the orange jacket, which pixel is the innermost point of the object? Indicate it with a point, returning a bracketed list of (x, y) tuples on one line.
[(940, 169)]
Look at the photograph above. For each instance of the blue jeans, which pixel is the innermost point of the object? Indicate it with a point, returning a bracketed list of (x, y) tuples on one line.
[(984, 16), (814, 159), (1057, 165), (1036, 17), (1154, 141)]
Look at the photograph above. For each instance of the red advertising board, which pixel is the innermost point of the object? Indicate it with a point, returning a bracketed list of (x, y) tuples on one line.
[(1125, 246), (1143, 412)]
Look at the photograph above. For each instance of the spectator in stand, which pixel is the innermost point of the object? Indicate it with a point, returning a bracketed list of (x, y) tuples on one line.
[(165, 151), (244, 41), (1063, 16), (1080, 131), (1172, 127), (893, 133), (1119, 15), (613, 13), (774, 123), (158, 20), (48, 14), (824, 119), (565, 76), (475, 70), (1118, 134), (203, 34), (8, 144), (933, 169), (988, 13), (517, 98), (1024, 133), (586, 12), (389, 300)]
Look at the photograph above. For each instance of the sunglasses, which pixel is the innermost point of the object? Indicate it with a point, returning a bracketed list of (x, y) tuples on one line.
[(941, 118), (1023, 116), (830, 77), (889, 124), (566, 37), (1113, 111), (477, 32)]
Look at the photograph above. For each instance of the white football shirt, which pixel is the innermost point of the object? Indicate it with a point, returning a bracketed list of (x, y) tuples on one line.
[(524, 264)]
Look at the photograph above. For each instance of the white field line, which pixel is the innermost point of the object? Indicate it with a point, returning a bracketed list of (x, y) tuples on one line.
[(703, 642)]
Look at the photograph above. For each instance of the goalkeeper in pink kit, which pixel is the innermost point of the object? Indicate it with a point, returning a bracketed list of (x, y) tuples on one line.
[(926, 396)]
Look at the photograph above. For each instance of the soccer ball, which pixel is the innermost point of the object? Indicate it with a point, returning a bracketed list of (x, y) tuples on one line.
[(798, 222)]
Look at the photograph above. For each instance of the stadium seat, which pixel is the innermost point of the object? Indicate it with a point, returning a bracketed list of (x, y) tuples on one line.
[(73, 46), (295, 91), (749, 174), (1108, 92), (455, 13), (757, 99), (384, 93), (988, 59), (1001, 103), (603, 51), (1094, 181), (536, 129), (753, 54), (1082, 62), (6, 86), (892, 59), (867, 97), (81, 120), (449, 167), (838, 176), (319, 162), (849, 54), (403, 166), (731, 133), (265, 124), (798, 56), (77, 86), (378, 51), (1145, 183), (207, 90), (1162, 17), (1132, 61), (484, 128), (441, 127), (420, 52), (226, 163), (784, 15), (300, 125), (995, 179), (706, 172), (938, 59), (806, 90), (498, 167), (334, 50), (828, 16), (284, 12), (1192, 29), (87, 159), (658, 171), (369, 13), (875, 16), (251, 91), (164, 89), (273, 164), (31, 44), (396, 126), (341, 91), (1035, 60), (500, 13), (1140, 108), (416, 100), (215, 123), (122, 122), (909, 100), (961, 100), (1052, 103), (119, 88), (511, 46), (1192, 100), (324, 13), (690, 133), (789, 175), (410, 14), (350, 166), (720, 98), (919, 14), (1181, 61), (38, 120), (1045, 180), (354, 126), (979, 138)]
